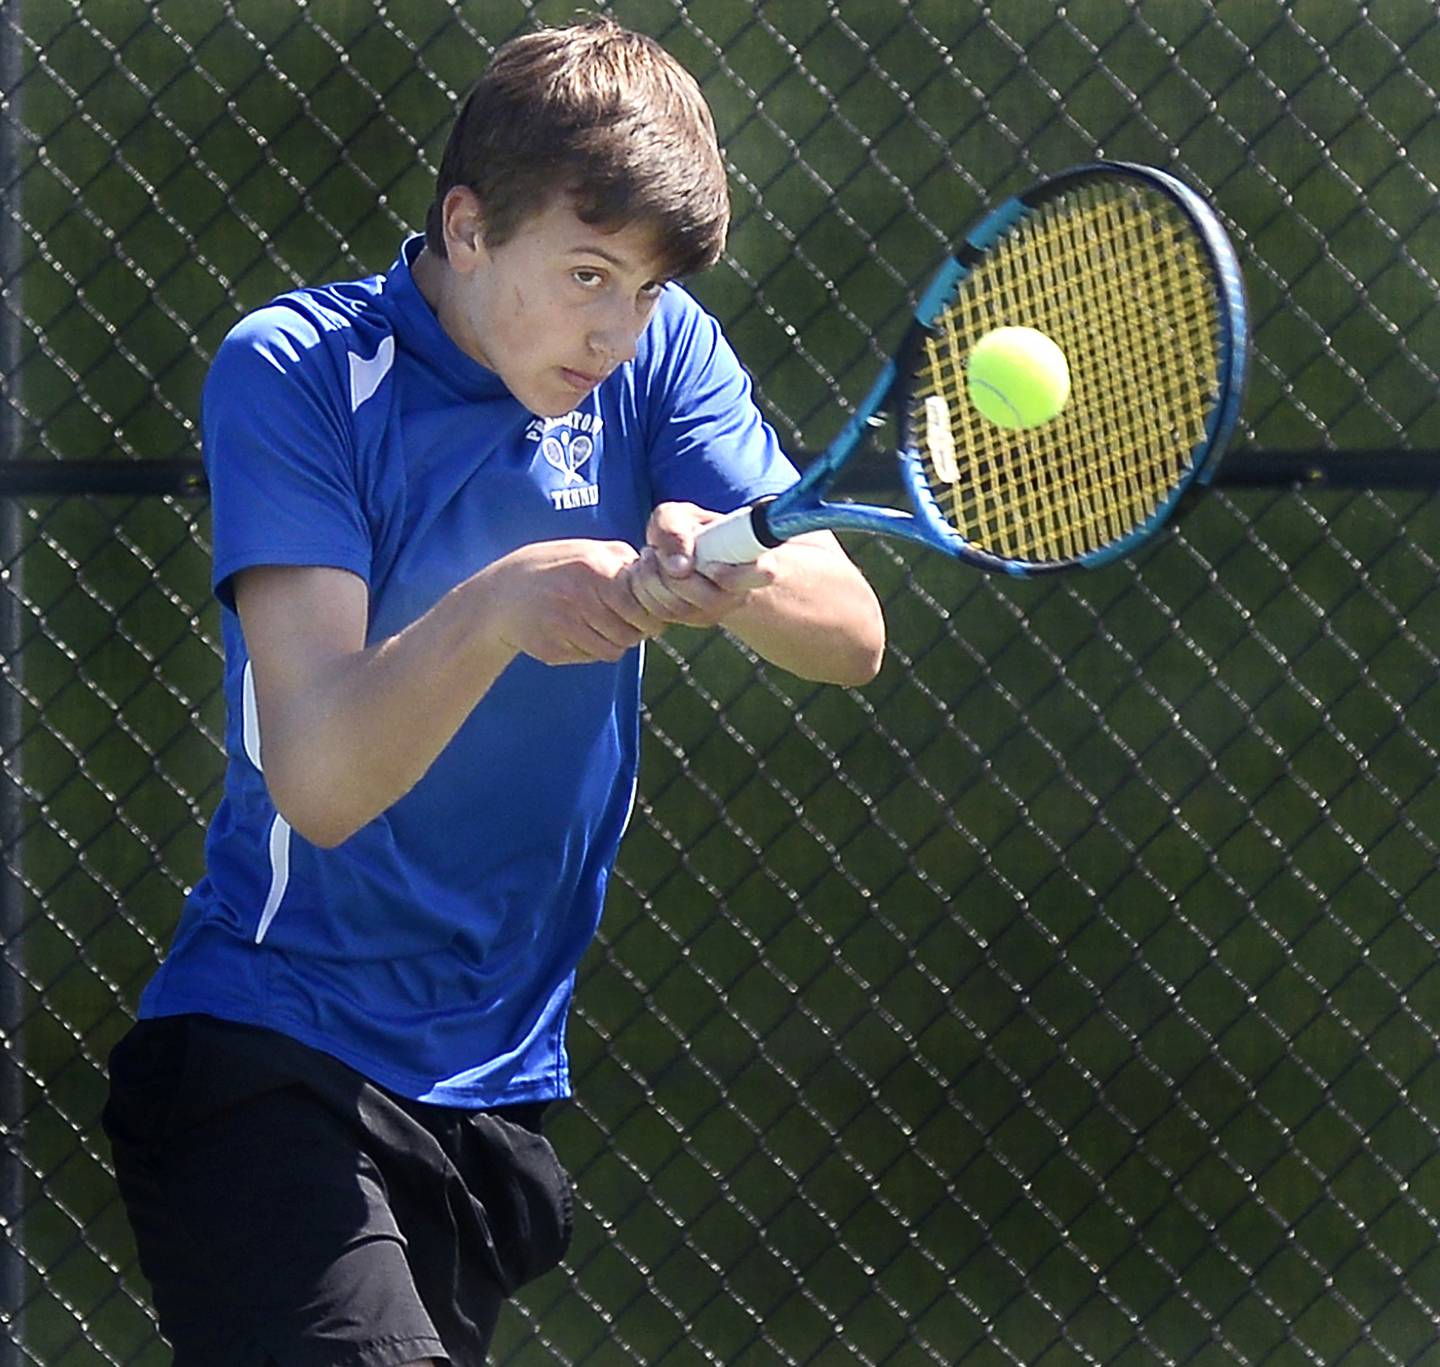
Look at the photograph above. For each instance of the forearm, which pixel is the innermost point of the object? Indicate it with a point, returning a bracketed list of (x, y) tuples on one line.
[(802, 605), (359, 731), (346, 728), (819, 619)]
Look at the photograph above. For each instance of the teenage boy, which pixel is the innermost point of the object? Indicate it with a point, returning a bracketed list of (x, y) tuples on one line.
[(428, 491)]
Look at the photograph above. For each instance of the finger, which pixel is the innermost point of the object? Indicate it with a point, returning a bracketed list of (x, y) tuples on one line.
[(590, 630), (587, 645), (614, 631), (696, 593), (621, 598), (665, 607), (556, 653), (671, 532), (652, 590), (612, 610), (740, 578)]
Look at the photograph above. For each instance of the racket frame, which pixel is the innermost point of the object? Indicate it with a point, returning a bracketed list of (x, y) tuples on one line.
[(744, 535)]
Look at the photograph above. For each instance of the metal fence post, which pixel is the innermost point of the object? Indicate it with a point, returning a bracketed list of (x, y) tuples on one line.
[(12, 1170)]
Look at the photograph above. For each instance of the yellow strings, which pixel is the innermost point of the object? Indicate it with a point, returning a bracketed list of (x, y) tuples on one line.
[(1114, 275)]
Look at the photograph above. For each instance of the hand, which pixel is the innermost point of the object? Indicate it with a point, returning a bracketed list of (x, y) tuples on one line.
[(570, 602), (667, 584)]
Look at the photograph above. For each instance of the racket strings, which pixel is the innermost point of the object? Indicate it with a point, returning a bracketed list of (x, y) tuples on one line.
[(1116, 277)]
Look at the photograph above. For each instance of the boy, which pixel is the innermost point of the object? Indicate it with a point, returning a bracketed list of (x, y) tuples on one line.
[(428, 488)]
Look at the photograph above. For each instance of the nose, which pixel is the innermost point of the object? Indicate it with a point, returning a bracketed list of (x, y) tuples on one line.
[(616, 338), (614, 346)]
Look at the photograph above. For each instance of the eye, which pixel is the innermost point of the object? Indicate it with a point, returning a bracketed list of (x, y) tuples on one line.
[(652, 290), (588, 277)]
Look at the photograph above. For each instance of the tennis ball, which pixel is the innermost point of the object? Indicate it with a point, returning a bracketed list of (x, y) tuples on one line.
[(1017, 377)]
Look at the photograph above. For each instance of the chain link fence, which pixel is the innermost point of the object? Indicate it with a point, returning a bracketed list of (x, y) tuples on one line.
[(1068, 995)]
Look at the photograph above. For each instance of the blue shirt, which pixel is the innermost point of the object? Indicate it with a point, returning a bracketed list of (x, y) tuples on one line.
[(435, 949)]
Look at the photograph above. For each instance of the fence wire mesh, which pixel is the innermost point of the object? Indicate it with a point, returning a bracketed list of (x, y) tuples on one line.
[(1068, 995)]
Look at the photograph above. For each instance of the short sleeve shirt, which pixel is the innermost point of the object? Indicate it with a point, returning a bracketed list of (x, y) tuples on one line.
[(435, 949)]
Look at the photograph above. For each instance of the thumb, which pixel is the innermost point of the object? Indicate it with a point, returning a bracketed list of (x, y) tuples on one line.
[(673, 537)]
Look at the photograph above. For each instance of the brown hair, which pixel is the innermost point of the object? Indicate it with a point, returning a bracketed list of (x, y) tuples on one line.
[(600, 113)]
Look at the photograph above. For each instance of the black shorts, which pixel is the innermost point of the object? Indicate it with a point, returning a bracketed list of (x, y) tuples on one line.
[(290, 1213)]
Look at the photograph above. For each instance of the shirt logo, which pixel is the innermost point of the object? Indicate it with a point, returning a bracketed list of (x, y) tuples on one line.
[(567, 445), (568, 456)]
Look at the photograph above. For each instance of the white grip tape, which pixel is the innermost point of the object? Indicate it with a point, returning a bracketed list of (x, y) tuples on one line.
[(729, 541)]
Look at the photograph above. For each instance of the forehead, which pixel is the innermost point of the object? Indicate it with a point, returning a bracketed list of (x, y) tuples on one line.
[(634, 247)]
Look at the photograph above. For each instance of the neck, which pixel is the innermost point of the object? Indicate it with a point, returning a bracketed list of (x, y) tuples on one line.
[(427, 271)]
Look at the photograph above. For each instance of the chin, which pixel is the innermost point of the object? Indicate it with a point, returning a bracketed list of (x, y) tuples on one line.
[(550, 400), (552, 408)]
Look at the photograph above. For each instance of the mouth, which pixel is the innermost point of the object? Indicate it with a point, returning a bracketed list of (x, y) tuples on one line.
[(580, 379)]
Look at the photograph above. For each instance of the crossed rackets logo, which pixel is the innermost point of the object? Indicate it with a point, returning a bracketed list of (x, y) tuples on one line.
[(568, 453)]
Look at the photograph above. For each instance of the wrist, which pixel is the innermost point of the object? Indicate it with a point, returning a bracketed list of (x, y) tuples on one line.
[(486, 618)]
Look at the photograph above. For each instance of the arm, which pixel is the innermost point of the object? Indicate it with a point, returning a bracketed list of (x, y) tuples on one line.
[(346, 729), (803, 606)]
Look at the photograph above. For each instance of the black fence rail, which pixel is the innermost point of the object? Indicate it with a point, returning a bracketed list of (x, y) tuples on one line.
[(1068, 995)]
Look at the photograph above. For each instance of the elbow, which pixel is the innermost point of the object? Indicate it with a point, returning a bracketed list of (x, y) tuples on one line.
[(865, 666), (871, 652), (864, 642), (870, 669), (863, 654), (323, 835), (324, 832), (319, 819)]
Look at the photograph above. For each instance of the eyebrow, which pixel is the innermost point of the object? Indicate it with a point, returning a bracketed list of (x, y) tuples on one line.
[(619, 262), (587, 250)]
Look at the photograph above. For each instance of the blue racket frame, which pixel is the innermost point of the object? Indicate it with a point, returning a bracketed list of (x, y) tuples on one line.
[(803, 507)]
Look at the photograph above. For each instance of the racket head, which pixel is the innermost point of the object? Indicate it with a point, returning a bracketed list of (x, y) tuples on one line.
[(1132, 274)]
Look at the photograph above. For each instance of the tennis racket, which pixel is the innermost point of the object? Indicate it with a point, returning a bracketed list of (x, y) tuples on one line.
[(1131, 273)]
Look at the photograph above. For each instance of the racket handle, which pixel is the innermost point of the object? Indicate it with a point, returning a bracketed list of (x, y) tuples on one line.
[(738, 538)]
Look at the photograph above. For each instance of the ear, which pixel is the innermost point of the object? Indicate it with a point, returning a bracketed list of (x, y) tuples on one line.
[(464, 224)]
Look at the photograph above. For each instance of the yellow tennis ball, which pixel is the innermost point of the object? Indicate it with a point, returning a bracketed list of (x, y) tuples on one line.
[(1017, 377)]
